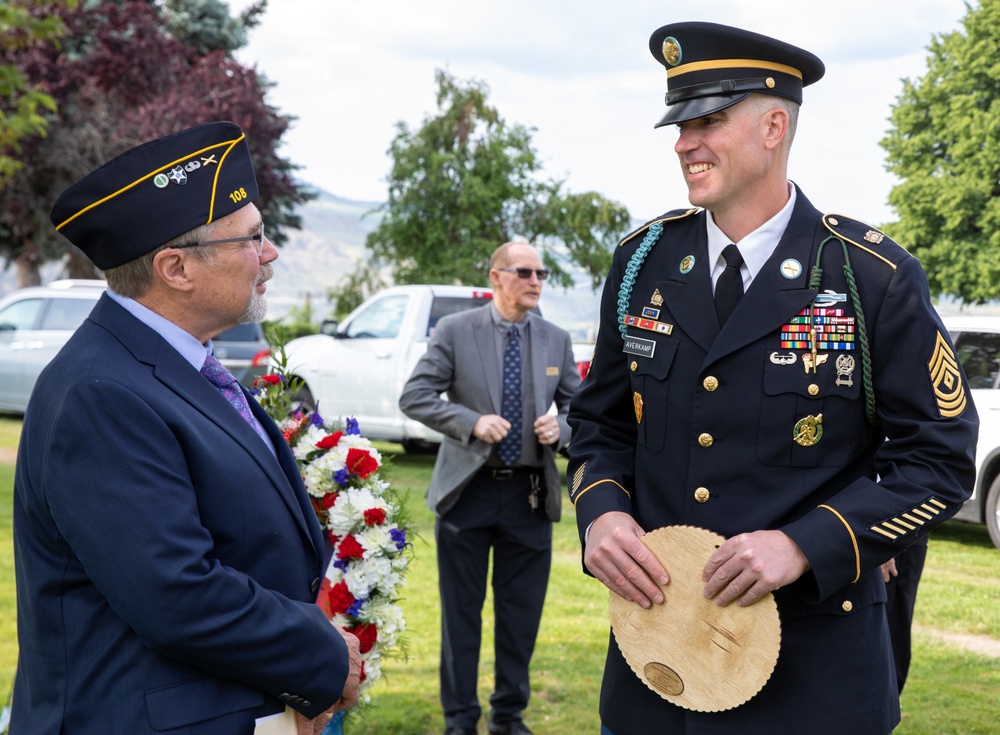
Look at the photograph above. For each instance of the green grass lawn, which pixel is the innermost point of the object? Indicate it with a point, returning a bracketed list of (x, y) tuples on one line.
[(950, 691)]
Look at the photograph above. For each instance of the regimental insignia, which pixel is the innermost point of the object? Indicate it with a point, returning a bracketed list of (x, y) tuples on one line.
[(874, 237), (671, 51), (656, 299), (778, 359), (791, 269), (905, 523), (160, 181), (811, 364), (687, 264), (946, 379), (578, 477), (178, 175), (637, 403), (845, 370), (808, 431), (650, 313)]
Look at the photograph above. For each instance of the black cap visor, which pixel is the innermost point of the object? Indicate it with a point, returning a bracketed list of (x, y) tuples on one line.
[(698, 107)]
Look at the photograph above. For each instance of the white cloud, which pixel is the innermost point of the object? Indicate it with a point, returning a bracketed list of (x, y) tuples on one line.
[(580, 74)]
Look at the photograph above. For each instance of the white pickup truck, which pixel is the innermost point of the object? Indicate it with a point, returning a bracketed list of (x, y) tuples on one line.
[(361, 368)]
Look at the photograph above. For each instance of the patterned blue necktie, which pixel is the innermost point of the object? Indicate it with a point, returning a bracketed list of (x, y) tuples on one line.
[(510, 407), (222, 379)]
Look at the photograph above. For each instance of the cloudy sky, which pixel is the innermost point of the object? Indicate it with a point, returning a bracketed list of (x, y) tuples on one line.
[(580, 74)]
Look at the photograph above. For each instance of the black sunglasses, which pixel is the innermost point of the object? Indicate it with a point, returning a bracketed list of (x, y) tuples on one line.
[(542, 273)]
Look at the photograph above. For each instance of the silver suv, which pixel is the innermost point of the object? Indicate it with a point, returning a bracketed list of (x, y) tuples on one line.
[(36, 322)]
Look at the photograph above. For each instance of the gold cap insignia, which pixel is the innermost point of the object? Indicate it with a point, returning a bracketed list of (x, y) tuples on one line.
[(637, 402), (946, 379), (671, 51)]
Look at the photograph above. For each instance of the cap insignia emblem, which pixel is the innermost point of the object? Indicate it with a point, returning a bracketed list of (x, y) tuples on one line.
[(178, 175), (161, 181), (671, 51)]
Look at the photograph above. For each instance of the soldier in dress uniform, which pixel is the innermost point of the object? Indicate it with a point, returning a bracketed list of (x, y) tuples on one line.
[(778, 376)]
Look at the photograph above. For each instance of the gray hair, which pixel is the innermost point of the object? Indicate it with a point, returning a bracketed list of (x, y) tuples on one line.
[(133, 279)]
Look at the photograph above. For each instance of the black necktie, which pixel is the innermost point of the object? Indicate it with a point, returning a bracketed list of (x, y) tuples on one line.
[(510, 445), (729, 288)]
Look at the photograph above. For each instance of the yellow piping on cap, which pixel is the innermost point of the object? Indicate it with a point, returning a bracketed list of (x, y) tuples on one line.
[(733, 63), (144, 178), (218, 172), (857, 554)]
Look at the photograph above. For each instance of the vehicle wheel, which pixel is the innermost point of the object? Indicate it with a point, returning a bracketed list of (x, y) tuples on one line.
[(992, 512), (416, 446)]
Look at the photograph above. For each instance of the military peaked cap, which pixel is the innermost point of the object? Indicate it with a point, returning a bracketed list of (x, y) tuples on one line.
[(157, 191), (711, 67)]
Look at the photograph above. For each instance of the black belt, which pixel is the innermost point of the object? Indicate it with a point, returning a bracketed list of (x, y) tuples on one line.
[(507, 473)]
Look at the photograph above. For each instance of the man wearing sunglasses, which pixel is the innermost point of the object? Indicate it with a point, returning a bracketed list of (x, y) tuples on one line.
[(167, 555), (495, 483)]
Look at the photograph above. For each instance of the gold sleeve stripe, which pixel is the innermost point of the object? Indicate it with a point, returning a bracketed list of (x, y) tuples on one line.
[(895, 529), (938, 503), (578, 477), (912, 519), (576, 498), (888, 535), (930, 509), (920, 513), (854, 541), (150, 175)]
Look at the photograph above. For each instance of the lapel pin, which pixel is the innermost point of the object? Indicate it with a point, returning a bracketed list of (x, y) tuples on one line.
[(791, 269)]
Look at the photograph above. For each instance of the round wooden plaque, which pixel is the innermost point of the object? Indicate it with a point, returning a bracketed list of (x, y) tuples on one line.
[(689, 650)]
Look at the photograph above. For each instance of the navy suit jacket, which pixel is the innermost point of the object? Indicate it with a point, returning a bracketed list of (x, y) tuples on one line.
[(690, 424), (167, 563)]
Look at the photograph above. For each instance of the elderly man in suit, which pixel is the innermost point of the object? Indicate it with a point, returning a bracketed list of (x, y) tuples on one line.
[(495, 483), (167, 556)]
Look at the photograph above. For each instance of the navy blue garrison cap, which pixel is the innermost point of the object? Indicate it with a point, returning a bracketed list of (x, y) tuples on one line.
[(711, 67), (152, 193)]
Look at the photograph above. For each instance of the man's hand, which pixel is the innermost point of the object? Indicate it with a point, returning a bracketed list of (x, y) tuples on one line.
[(491, 428), (889, 570), (349, 697), (547, 429), (748, 566), (617, 557)]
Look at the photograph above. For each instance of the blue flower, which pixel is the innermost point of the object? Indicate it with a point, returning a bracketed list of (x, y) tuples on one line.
[(352, 427), (340, 564), (342, 477), (398, 536), (315, 419), (354, 609)]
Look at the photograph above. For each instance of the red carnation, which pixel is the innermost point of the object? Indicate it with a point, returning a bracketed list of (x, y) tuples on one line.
[(350, 549), (330, 441), (361, 463), (271, 379), (363, 674), (366, 634), (329, 499), (340, 598), (374, 516)]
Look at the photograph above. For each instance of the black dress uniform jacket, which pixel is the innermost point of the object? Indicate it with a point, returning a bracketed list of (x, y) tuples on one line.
[(697, 426)]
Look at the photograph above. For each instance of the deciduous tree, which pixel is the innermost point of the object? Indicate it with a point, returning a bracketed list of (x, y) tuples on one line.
[(944, 145), (466, 181)]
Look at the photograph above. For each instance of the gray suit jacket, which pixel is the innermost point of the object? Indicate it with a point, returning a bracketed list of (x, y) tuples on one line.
[(462, 361)]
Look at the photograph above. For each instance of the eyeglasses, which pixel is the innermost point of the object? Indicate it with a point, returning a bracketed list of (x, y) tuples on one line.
[(525, 273), (257, 237)]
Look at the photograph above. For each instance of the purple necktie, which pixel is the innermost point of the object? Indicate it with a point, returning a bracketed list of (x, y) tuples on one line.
[(222, 379)]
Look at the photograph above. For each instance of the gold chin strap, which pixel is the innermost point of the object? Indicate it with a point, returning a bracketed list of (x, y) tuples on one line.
[(815, 279)]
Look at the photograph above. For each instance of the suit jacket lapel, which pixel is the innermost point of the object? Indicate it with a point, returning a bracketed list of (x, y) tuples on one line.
[(487, 349), (773, 298), (539, 353), (689, 295)]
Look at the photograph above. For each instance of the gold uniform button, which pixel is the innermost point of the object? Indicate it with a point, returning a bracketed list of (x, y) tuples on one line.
[(813, 389), (833, 221), (706, 440), (847, 606), (702, 495), (634, 366), (710, 383)]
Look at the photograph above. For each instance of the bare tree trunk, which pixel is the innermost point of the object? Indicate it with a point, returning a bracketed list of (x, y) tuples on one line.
[(27, 267), (79, 265)]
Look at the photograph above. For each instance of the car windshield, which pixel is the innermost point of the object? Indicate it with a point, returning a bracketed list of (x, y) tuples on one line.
[(445, 305), (239, 333)]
